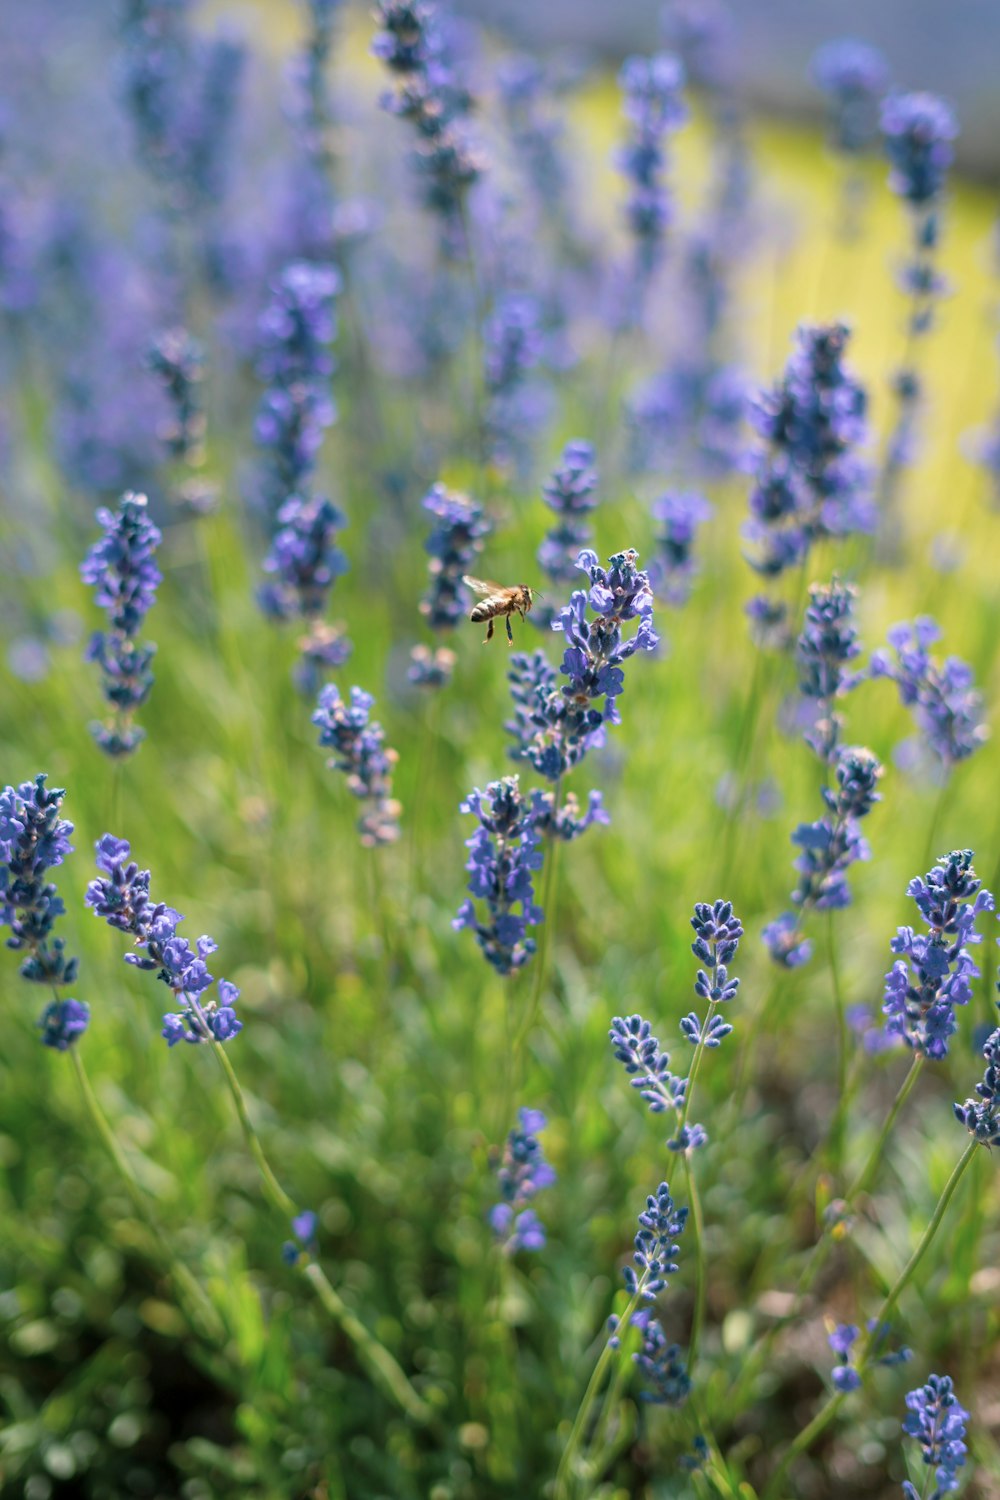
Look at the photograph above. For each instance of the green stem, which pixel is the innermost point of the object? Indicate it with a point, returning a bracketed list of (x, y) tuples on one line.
[(372, 1354), (826, 1414), (273, 1190), (186, 1283), (565, 1474), (836, 1139), (700, 1267)]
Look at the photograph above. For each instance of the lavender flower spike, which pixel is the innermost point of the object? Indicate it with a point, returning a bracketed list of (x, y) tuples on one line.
[(120, 895), (940, 695), (505, 852), (521, 1173), (934, 971), (652, 104), (981, 1117), (937, 1421), (360, 752), (122, 569), (33, 840)]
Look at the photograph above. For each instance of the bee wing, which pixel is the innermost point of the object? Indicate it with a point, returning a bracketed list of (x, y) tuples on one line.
[(483, 586)]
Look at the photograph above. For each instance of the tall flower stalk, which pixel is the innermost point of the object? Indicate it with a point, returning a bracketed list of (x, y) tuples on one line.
[(121, 896)]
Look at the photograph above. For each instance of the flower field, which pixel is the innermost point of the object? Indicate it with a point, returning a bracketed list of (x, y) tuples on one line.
[(561, 1064)]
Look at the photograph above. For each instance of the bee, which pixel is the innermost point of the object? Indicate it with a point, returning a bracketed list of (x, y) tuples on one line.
[(497, 600)]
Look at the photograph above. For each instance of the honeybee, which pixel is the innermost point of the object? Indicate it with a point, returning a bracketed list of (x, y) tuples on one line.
[(496, 601)]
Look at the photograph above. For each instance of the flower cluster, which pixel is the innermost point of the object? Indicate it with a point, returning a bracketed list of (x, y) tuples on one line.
[(854, 76), (829, 847), (430, 668), (33, 840), (413, 45), (981, 1117), (513, 342), (504, 854), (554, 726), (179, 361), (523, 85), (122, 568), (827, 643), (453, 546), (946, 707), (660, 1362), (810, 482), (310, 106), (842, 1339), (120, 894), (660, 1225), (674, 567), (918, 130), (934, 970), (294, 337), (305, 561), (304, 1228), (937, 1422), (521, 1173), (182, 94), (568, 822), (361, 753), (717, 936), (569, 493), (654, 108)]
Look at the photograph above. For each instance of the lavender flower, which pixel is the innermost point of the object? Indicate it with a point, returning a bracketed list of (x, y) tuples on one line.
[(937, 1422), (717, 936), (853, 75), (522, 84), (120, 895), (179, 361), (521, 1173), (304, 559), (294, 337), (429, 94), (945, 705), (981, 1117), (304, 1228), (310, 109), (918, 130), (845, 1377), (360, 752), (569, 493), (430, 669), (453, 545), (654, 108), (121, 567), (674, 567), (660, 1225), (62, 1021), (810, 482), (505, 852), (829, 848), (660, 1363), (323, 649), (934, 971), (568, 823), (513, 342), (827, 642), (33, 840), (554, 726)]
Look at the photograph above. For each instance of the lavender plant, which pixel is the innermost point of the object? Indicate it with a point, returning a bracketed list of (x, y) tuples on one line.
[(675, 567), (360, 752), (917, 130), (810, 480), (935, 970), (854, 76), (178, 360), (504, 855), (122, 569), (33, 841), (937, 1422), (653, 106), (940, 695), (569, 494), (522, 1172)]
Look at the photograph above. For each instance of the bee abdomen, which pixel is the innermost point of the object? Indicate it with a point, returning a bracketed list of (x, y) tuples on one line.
[(484, 611)]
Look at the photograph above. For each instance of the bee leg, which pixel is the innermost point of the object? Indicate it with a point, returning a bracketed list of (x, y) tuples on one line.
[(510, 633), (489, 632)]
